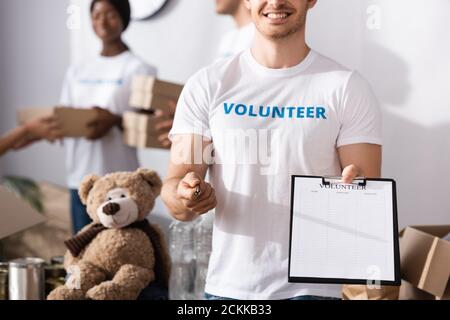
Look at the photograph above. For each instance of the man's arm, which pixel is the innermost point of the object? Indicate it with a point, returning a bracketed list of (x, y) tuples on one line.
[(186, 174), (360, 160)]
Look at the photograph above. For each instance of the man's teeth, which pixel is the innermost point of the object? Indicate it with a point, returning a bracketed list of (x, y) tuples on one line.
[(277, 15)]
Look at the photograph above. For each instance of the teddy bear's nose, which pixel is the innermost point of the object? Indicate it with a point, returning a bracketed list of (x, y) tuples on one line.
[(111, 208)]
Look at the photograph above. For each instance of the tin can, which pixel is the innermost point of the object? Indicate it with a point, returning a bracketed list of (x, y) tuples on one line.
[(26, 279)]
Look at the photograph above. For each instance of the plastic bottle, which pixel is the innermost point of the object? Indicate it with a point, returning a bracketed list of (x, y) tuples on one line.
[(202, 248), (181, 246)]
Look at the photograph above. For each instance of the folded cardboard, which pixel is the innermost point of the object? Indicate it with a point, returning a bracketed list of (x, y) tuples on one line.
[(147, 100), (74, 122), (16, 214), (410, 292), (153, 85), (425, 259), (139, 121), (147, 92), (364, 292), (45, 239), (139, 130)]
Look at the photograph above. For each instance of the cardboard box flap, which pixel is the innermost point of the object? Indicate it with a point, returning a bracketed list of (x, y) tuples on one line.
[(150, 84), (16, 214), (425, 258), (75, 121), (143, 122), (436, 272), (437, 231), (411, 292), (148, 101), (414, 248)]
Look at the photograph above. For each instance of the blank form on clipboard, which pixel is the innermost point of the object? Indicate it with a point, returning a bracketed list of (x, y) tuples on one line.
[(343, 233)]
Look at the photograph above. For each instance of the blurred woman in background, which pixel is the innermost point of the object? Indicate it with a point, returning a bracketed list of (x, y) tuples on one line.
[(102, 83)]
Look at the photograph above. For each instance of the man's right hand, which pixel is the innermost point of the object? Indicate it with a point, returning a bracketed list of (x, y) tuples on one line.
[(195, 194)]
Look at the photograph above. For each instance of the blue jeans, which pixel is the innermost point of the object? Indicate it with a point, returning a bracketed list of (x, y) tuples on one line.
[(80, 217), (307, 297)]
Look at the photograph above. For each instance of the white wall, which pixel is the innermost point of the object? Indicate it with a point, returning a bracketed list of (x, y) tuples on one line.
[(33, 56), (406, 61)]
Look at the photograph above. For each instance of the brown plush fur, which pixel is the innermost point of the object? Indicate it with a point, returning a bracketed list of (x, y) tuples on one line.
[(118, 263)]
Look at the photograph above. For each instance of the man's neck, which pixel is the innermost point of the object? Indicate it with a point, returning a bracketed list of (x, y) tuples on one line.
[(242, 16), (280, 53)]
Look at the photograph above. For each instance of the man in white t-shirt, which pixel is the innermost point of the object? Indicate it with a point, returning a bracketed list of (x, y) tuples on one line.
[(239, 39), (254, 120)]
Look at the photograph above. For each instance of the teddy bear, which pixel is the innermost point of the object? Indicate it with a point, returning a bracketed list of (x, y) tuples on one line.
[(120, 253)]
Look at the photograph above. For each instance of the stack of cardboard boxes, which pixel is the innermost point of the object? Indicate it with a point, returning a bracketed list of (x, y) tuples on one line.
[(425, 262), (425, 268), (74, 122), (148, 95)]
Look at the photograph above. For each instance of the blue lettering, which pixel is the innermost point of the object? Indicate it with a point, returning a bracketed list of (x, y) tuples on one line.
[(291, 111), (228, 108), (243, 107), (311, 112), (278, 112), (261, 111), (251, 114), (321, 113)]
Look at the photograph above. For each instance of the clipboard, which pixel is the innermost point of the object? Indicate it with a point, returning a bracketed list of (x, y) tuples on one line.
[(343, 233)]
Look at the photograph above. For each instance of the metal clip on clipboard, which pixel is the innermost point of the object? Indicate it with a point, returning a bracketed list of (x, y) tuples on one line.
[(326, 181)]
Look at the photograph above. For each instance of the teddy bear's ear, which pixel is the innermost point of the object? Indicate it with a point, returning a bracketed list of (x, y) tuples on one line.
[(153, 179), (86, 186)]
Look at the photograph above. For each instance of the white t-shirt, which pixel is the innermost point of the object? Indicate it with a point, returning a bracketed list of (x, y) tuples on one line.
[(236, 41), (104, 82), (266, 125)]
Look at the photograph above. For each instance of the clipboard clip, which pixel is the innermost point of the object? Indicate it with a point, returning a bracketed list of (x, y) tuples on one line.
[(359, 181)]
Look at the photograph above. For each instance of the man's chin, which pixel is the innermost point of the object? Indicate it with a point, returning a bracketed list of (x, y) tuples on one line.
[(278, 33)]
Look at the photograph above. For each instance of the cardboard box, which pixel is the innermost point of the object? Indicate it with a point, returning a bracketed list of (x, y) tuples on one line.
[(44, 239), (425, 259), (150, 84), (149, 101), (363, 292), (74, 122), (139, 130), (16, 214)]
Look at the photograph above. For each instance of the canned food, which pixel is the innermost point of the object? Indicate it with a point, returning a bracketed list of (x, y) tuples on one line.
[(57, 260), (55, 274), (4, 281)]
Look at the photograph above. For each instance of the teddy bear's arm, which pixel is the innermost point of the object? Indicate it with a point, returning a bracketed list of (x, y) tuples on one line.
[(84, 276), (127, 284)]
